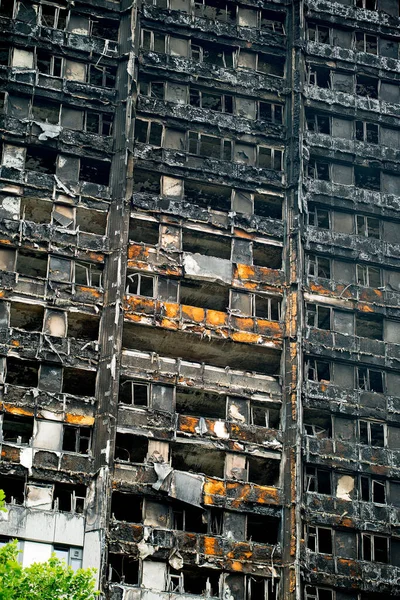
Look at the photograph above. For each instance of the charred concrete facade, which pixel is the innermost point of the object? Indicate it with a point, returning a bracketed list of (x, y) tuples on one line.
[(199, 300)]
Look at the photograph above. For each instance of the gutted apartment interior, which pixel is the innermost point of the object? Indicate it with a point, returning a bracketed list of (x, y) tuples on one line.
[(199, 294)]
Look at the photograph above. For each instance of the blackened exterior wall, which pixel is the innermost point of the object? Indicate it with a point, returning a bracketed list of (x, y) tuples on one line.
[(199, 315)]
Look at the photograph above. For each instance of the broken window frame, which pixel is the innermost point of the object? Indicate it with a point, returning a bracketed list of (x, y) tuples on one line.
[(372, 485), (145, 88), (83, 438), (267, 24), (275, 159), (77, 502), (369, 227), (125, 559), (313, 77), (312, 593), (268, 59), (198, 53), (277, 112), (313, 122), (58, 14), (368, 425), (194, 142), (107, 72), (112, 44), (315, 268), (132, 383), (311, 480), (318, 170), (314, 318), (148, 41), (44, 100), (361, 39), (178, 516), (372, 550), (316, 431), (366, 4), (271, 588), (364, 379), (71, 225), (21, 440), (56, 64), (319, 33), (3, 102), (270, 309), (175, 583), (313, 538), (376, 89), (363, 275), (319, 217), (94, 277), (366, 127), (105, 123), (7, 3), (313, 366), (267, 415), (223, 97), (201, 8), (140, 277), (215, 521), (151, 123)]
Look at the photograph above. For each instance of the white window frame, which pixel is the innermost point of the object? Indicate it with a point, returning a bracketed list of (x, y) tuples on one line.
[(364, 5), (365, 35), (150, 122), (131, 383), (100, 116), (369, 435), (367, 385), (190, 139), (317, 28), (212, 93), (149, 93), (365, 125), (269, 300), (314, 211), (203, 4), (139, 277), (372, 537), (78, 437), (52, 62), (313, 532), (366, 226), (272, 157), (276, 25), (91, 271), (315, 596), (152, 35), (267, 595), (316, 430), (372, 482), (363, 273)]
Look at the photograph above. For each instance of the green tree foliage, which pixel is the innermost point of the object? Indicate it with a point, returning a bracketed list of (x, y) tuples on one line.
[(50, 580), (2, 501)]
